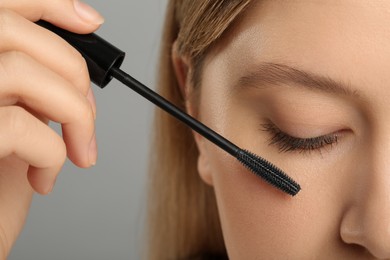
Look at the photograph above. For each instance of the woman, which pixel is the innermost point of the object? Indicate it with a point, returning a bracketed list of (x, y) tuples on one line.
[(302, 83)]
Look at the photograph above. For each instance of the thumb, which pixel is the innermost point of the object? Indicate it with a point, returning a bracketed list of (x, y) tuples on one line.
[(71, 15)]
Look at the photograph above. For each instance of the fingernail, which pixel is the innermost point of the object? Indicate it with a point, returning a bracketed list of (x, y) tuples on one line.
[(50, 187), (46, 189), (87, 13), (91, 99), (93, 151)]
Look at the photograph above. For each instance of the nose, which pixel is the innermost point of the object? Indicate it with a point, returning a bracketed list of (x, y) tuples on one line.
[(367, 220)]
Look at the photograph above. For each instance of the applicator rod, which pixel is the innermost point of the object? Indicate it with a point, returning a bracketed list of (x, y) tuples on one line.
[(174, 111)]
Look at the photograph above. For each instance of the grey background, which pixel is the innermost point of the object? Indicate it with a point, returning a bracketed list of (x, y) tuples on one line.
[(98, 213)]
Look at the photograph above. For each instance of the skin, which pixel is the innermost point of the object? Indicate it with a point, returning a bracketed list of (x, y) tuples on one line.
[(40, 75), (343, 209)]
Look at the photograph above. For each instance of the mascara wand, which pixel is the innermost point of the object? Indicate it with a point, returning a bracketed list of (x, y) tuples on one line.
[(103, 61)]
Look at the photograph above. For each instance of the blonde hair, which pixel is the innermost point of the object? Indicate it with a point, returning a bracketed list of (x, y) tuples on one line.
[(183, 221)]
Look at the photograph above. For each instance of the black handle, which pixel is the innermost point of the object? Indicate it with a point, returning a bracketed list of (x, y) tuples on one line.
[(99, 54)]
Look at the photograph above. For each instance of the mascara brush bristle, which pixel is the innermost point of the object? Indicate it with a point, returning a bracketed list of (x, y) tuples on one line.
[(268, 172)]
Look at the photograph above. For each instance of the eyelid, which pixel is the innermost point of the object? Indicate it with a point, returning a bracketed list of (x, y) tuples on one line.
[(289, 143), (270, 126)]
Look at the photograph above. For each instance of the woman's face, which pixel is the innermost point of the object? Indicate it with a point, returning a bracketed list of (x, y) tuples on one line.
[(306, 85)]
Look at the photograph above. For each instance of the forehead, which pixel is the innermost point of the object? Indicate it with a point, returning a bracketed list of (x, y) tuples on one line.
[(340, 38)]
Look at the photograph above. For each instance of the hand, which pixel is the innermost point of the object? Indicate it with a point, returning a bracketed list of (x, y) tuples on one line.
[(42, 78)]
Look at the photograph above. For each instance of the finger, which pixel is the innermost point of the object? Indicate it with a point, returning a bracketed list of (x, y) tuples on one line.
[(60, 56), (44, 46), (71, 15), (26, 81), (34, 142)]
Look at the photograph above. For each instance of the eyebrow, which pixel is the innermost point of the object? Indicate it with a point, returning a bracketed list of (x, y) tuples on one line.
[(269, 73)]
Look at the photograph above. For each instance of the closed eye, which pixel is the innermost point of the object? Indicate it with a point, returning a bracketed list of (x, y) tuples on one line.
[(288, 143)]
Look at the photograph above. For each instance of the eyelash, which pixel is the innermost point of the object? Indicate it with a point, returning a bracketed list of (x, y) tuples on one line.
[(288, 143)]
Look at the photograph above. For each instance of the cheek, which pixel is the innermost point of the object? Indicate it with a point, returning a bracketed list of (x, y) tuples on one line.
[(258, 220)]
